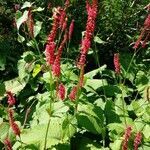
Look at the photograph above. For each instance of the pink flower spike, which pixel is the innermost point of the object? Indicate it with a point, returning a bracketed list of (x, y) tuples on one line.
[(15, 128), (73, 93), (61, 91), (117, 63), (8, 144), (137, 140), (126, 138), (11, 100), (71, 28)]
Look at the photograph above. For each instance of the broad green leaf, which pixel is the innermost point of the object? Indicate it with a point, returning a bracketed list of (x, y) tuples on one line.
[(116, 145), (98, 40), (37, 28), (141, 81), (38, 9), (22, 19), (93, 73), (20, 38), (22, 71), (25, 65), (110, 112), (59, 108), (4, 129), (36, 135), (69, 126), (26, 5), (36, 70), (90, 118), (110, 90), (146, 132), (94, 84), (14, 85)]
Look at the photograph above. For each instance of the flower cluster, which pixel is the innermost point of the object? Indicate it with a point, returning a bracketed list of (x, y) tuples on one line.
[(11, 99), (90, 27), (145, 34), (30, 23), (71, 27), (73, 93), (117, 63), (56, 66), (61, 91), (126, 138), (50, 46), (137, 140), (12, 123), (8, 144)]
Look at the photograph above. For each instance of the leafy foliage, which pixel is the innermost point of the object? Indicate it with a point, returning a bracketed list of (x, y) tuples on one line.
[(106, 103)]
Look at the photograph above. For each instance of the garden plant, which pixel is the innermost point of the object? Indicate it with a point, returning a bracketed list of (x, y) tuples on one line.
[(75, 75)]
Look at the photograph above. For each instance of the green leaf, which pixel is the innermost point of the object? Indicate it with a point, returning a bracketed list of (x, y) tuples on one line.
[(94, 84), (20, 38), (93, 73), (36, 70), (115, 130), (141, 80), (39, 9), (36, 135), (26, 5), (116, 145), (4, 129), (98, 40), (146, 132), (90, 118), (25, 65), (37, 28), (110, 90), (110, 112), (14, 85), (69, 126), (22, 19)]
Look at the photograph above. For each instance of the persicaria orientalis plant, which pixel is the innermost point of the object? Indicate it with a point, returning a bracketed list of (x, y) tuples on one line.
[(64, 93)]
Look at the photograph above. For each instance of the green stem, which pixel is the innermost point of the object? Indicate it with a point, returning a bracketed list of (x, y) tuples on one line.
[(98, 63), (45, 141)]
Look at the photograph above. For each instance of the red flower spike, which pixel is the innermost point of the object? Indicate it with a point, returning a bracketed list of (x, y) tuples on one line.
[(71, 28), (126, 138), (15, 128), (90, 27), (61, 91), (17, 7), (11, 100), (8, 144), (11, 115), (62, 18), (145, 34), (56, 66), (67, 3), (30, 23), (117, 63), (73, 93), (137, 140), (49, 53), (147, 22), (64, 25), (50, 46)]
